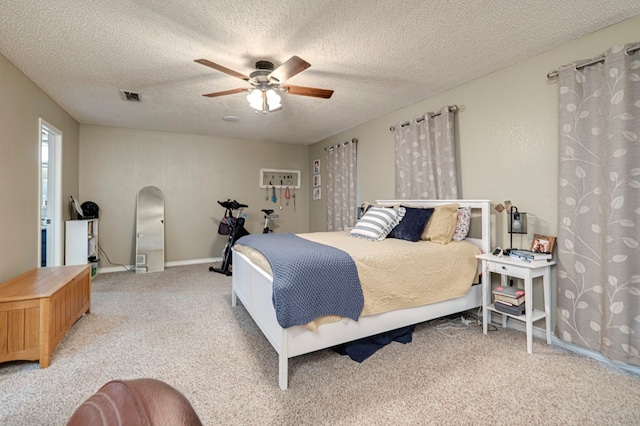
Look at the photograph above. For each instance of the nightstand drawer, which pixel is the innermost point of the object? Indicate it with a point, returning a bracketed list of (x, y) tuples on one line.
[(501, 268)]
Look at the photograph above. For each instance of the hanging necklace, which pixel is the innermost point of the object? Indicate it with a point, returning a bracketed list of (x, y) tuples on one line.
[(287, 195)]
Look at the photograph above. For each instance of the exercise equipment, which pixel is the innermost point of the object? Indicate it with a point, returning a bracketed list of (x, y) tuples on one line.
[(237, 231), (268, 217)]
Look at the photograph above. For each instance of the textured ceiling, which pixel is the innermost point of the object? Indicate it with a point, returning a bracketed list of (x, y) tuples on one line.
[(378, 56)]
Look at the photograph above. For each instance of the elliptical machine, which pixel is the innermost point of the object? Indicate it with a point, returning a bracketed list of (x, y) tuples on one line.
[(237, 230)]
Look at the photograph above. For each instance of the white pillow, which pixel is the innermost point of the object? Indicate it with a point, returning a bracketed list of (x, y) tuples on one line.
[(377, 222)]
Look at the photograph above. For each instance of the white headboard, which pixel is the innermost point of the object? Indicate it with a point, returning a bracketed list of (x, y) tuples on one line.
[(477, 206)]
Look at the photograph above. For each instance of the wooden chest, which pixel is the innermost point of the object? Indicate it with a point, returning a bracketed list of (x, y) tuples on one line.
[(38, 307)]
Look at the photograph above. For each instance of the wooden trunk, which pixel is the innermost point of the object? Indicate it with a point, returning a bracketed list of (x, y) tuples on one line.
[(38, 307)]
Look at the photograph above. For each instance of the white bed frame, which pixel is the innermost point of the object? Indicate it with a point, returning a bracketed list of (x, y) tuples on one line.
[(253, 286)]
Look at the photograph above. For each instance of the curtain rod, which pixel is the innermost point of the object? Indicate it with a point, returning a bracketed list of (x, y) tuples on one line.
[(552, 75), (452, 108), (330, 148)]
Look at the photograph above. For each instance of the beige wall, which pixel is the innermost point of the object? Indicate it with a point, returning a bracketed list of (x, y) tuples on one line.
[(193, 172), (508, 145), (508, 138), (22, 103)]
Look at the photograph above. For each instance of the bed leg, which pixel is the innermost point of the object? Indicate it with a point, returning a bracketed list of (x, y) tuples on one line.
[(283, 361), (283, 373), (234, 300)]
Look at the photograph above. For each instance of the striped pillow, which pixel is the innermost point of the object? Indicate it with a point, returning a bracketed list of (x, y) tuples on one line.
[(377, 222)]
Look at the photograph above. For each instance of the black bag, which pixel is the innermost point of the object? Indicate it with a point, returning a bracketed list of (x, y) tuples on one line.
[(226, 223)]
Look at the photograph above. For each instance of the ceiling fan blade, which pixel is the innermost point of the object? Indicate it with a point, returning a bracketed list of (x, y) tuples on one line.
[(290, 68), (220, 68), (308, 91), (226, 92)]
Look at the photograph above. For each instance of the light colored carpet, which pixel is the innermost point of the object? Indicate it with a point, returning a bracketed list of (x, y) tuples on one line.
[(178, 326)]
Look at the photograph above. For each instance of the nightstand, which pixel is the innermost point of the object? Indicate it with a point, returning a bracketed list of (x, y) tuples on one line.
[(508, 267)]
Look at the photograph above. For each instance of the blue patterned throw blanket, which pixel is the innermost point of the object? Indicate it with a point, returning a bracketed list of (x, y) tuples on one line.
[(310, 279)]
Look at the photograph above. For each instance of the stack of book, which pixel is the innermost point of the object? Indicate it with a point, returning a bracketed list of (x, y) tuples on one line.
[(509, 300), (530, 256)]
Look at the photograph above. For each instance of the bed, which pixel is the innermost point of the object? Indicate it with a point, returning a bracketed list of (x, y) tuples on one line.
[(253, 286)]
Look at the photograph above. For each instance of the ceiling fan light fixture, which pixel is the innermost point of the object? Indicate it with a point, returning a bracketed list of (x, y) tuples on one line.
[(273, 99), (255, 99), (264, 100)]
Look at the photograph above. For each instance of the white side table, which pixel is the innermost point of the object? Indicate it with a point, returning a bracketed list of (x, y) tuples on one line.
[(508, 267)]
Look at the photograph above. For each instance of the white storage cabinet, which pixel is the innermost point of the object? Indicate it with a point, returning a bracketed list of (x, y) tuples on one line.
[(81, 242)]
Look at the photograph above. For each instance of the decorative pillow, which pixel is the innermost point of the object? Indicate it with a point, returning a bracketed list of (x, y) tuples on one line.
[(442, 224), (412, 224), (462, 226), (377, 222)]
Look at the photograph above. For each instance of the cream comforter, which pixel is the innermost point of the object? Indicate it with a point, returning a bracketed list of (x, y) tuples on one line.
[(397, 274)]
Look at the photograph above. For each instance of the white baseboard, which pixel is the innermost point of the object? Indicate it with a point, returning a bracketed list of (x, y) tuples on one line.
[(192, 262), (541, 333), (581, 350), (166, 265)]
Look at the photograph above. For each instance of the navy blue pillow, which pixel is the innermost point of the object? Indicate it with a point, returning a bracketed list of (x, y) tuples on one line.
[(412, 224)]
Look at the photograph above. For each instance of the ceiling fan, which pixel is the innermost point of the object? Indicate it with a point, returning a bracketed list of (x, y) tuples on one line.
[(266, 82)]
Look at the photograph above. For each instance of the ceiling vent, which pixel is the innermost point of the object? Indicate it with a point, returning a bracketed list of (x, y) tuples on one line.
[(131, 96)]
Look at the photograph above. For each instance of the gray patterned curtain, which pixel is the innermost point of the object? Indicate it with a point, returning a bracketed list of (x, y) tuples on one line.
[(341, 186), (599, 205), (425, 157)]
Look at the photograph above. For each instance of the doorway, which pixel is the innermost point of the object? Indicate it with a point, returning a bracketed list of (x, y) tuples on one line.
[(50, 203)]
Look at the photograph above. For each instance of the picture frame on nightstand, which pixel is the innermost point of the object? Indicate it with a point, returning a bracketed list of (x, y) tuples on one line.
[(542, 243)]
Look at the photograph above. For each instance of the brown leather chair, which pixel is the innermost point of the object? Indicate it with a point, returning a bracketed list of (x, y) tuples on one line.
[(147, 402)]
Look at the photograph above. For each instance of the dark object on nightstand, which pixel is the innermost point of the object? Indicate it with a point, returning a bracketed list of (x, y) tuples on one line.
[(517, 225)]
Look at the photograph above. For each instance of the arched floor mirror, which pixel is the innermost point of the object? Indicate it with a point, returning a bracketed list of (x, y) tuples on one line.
[(150, 230)]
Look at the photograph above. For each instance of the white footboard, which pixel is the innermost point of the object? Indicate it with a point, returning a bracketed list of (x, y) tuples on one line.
[(254, 289)]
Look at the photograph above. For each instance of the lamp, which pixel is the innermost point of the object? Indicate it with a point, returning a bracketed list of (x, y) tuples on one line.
[(264, 99), (517, 224)]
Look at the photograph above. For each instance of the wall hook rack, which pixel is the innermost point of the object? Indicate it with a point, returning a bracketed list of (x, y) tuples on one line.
[(287, 178)]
